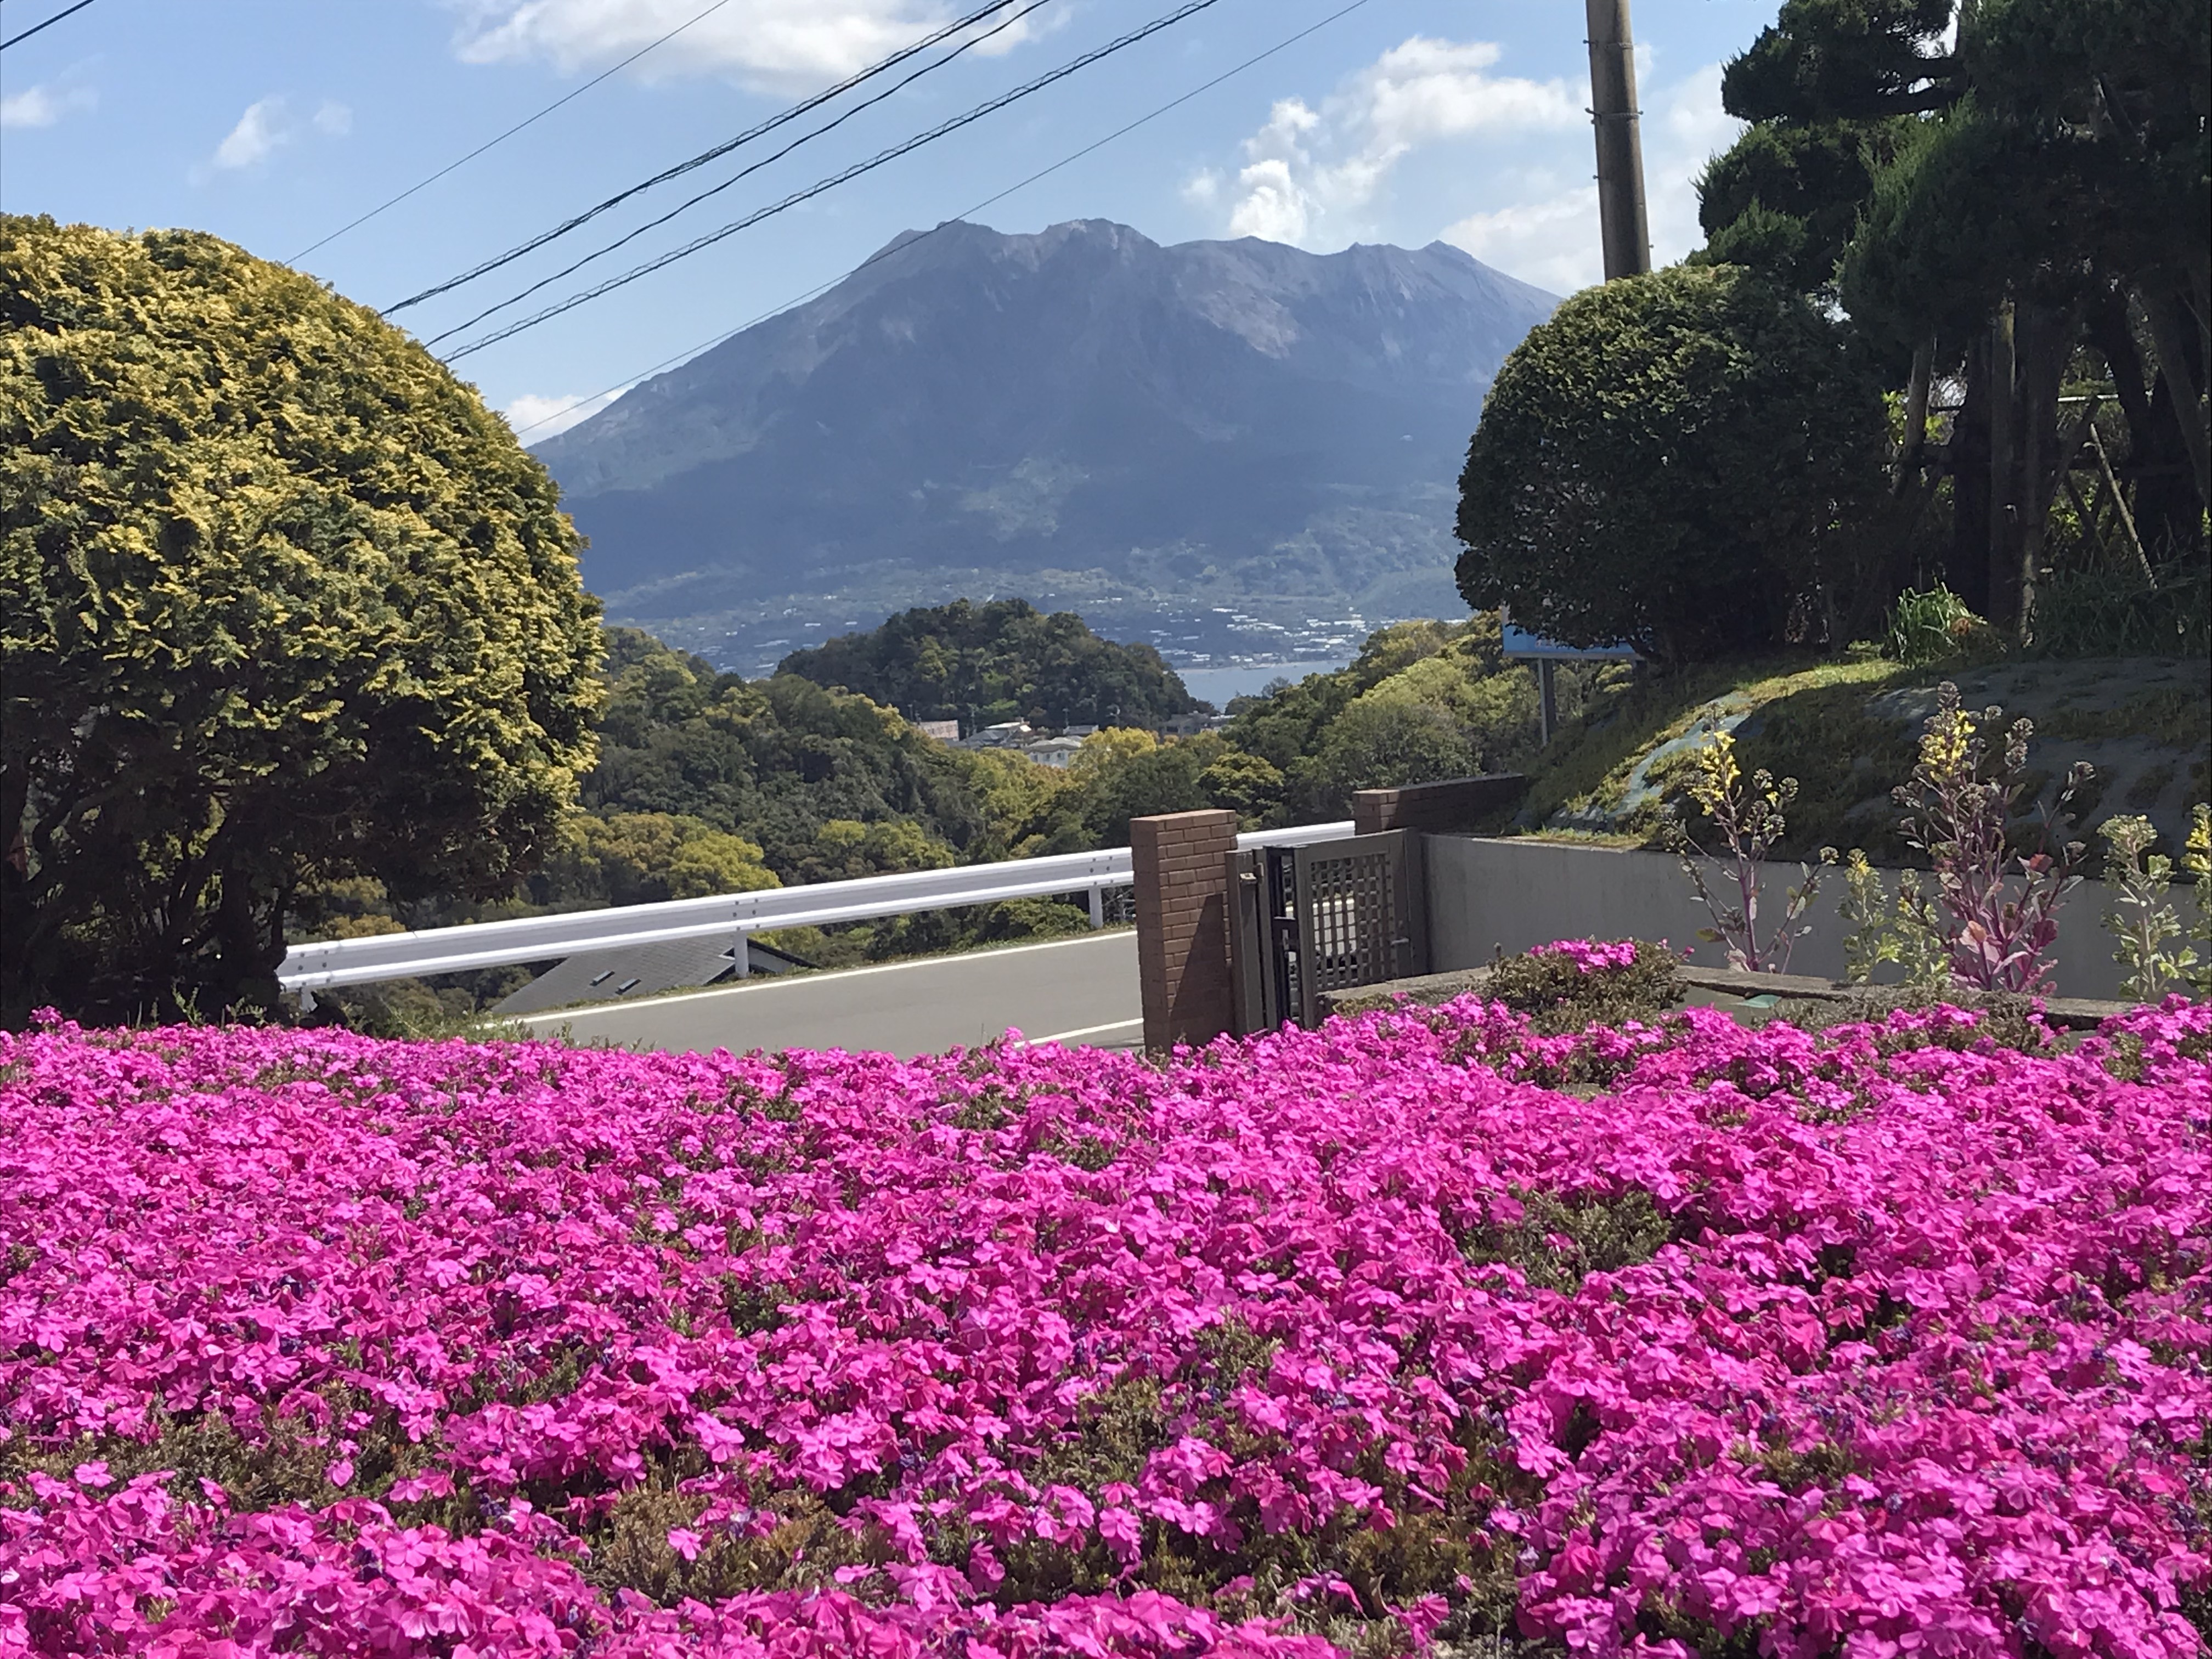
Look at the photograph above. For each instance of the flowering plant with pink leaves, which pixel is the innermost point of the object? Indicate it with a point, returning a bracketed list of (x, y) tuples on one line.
[(1884, 1340)]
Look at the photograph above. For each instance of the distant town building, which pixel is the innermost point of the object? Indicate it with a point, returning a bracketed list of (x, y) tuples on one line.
[(1053, 751), (1007, 734), (943, 731)]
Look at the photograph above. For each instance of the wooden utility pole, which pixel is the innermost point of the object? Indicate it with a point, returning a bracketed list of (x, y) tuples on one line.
[(1619, 144)]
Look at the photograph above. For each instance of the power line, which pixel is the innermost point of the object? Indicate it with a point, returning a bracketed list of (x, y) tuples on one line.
[(700, 160), (820, 288), (17, 40), (355, 224), (743, 174), (697, 243)]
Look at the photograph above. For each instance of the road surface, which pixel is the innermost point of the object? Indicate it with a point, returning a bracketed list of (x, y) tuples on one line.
[(1077, 991)]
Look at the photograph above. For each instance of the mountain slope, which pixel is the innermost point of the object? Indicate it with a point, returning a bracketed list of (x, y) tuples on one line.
[(1081, 415)]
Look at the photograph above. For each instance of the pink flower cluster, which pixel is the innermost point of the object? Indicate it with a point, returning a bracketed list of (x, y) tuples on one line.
[(1592, 956), (1913, 1356)]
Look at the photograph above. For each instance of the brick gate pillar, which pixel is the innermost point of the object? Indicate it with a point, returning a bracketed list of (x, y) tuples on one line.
[(1181, 861)]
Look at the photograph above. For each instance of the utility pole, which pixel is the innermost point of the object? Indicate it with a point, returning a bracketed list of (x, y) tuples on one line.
[(1619, 144)]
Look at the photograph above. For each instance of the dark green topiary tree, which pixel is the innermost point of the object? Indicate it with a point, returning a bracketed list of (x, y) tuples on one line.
[(1683, 460), (280, 601)]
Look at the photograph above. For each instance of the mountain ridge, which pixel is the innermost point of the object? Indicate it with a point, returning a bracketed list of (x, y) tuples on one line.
[(1081, 414)]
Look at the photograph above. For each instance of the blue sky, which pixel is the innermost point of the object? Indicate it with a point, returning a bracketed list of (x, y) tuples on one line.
[(274, 122)]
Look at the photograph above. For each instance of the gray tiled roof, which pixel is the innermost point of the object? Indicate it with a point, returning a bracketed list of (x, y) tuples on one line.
[(634, 971)]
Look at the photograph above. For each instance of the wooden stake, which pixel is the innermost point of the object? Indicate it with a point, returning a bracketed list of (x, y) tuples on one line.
[(2120, 505)]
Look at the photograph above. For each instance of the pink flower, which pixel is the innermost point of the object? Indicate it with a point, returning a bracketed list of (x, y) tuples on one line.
[(1885, 1339)]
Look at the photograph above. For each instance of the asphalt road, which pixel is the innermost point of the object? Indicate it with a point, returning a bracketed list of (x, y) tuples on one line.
[(1077, 991)]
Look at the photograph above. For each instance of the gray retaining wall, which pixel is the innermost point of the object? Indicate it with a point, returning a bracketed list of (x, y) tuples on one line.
[(1486, 895)]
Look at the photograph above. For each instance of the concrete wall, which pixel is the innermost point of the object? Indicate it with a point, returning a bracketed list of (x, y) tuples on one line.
[(1486, 895)]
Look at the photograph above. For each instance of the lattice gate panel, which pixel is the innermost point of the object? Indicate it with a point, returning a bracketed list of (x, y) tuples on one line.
[(1331, 916), (1347, 902), (1359, 904)]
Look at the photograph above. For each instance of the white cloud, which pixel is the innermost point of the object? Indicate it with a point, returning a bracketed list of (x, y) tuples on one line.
[(42, 106), (256, 137), (775, 45), (1310, 172), (1551, 242), (536, 418), (1551, 238), (1427, 90), (1202, 188), (333, 119)]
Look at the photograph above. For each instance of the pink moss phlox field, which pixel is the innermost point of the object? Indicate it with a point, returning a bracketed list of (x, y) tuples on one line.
[(1912, 1357), (1592, 956)]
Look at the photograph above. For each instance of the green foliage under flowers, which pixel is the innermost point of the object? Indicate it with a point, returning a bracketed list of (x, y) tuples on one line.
[(1685, 460), (283, 602), (1995, 1019), (1559, 994)]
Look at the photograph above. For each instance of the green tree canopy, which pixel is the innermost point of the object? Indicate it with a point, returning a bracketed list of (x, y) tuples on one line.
[(2073, 181), (642, 858), (1785, 198), (283, 601), (1002, 660), (1987, 190), (778, 762), (1676, 459)]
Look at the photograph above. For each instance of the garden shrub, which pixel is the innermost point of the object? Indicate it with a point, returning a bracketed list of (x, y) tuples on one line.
[(1684, 459), (1574, 984)]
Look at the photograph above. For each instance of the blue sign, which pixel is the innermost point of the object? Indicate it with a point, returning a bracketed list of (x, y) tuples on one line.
[(1521, 643)]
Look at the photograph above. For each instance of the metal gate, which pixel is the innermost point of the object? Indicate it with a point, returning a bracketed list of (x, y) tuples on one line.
[(1329, 917)]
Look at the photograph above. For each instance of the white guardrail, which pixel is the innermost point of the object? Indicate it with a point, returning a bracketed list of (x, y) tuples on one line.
[(322, 963)]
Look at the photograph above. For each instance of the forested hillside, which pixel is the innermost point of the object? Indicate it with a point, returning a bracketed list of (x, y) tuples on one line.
[(779, 761), (1000, 660)]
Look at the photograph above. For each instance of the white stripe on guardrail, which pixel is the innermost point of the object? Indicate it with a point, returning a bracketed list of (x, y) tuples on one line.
[(325, 963)]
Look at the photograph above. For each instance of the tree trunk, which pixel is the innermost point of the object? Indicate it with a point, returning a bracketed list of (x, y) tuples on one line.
[(2045, 335), (1966, 570), (2174, 334), (2004, 590), (2165, 509), (1915, 435)]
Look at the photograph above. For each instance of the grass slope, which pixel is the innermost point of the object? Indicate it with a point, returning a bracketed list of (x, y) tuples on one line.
[(1847, 731)]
